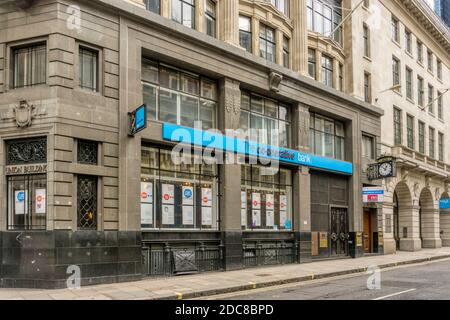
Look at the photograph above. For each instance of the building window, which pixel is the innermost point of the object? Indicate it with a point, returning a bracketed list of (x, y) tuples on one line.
[(421, 137), (153, 6), (286, 49), (245, 33), (312, 63), (87, 152), (324, 18), (87, 202), (439, 69), (341, 77), (397, 126), (266, 198), (395, 27), (178, 196), (29, 66), (210, 18), (419, 51), (431, 140), (265, 120), (408, 41), (88, 69), (420, 91), (430, 99), (183, 11), (430, 60), (327, 137), (368, 147), (327, 71), (410, 131), (440, 106), (175, 96), (395, 72), (366, 38), (367, 88), (409, 83), (281, 5), (267, 45), (441, 146)]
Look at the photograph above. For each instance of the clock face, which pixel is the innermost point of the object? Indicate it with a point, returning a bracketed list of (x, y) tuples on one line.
[(385, 169)]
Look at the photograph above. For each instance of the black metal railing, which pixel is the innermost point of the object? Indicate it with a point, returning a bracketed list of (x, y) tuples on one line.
[(258, 253), (167, 260)]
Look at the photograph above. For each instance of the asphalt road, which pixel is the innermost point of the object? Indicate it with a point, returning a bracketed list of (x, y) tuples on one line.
[(429, 281)]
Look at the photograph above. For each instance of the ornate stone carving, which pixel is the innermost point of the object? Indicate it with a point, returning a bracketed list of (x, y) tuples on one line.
[(427, 182), (404, 174), (416, 189), (437, 193), (274, 81), (232, 97), (24, 114)]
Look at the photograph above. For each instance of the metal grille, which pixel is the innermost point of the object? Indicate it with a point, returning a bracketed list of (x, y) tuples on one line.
[(161, 261), (87, 152), (87, 202), (273, 253), (26, 151)]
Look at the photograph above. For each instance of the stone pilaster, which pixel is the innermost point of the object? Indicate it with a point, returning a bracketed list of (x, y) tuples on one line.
[(200, 15), (302, 213), (299, 37), (388, 229), (230, 187), (255, 36), (409, 228), (444, 222), (229, 21), (430, 228), (300, 128), (165, 8)]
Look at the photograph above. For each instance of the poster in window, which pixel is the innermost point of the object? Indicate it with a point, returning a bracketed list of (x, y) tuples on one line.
[(323, 242), (243, 200), (244, 217), (188, 215), (206, 216), (41, 201), (283, 202), (146, 213), (270, 203), (207, 197), (20, 201), (256, 218), (270, 218), (188, 195), (283, 218), (147, 192), (168, 216), (256, 200), (168, 193)]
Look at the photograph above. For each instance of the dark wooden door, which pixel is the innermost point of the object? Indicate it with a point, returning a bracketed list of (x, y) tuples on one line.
[(367, 231)]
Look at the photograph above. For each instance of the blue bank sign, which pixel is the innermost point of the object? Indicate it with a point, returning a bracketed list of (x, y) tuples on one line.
[(137, 120), (218, 141), (444, 203)]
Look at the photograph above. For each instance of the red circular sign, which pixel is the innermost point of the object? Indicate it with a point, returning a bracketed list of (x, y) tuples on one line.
[(144, 195), (39, 198), (205, 199), (255, 203), (166, 197)]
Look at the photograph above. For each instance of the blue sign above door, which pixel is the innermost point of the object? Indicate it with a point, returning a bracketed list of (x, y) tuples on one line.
[(444, 203), (218, 141)]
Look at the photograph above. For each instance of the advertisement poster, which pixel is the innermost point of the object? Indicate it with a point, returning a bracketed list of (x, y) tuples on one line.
[(256, 218), (188, 195), (146, 213), (207, 197), (20, 201), (206, 216), (270, 220), (168, 193), (283, 202), (244, 217), (283, 218), (270, 202), (323, 240), (41, 201), (188, 215), (168, 214), (243, 200), (256, 200), (147, 192)]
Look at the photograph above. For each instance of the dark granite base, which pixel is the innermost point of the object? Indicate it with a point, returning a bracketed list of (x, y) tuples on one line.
[(232, 244), (355, 250), (304, 245), (40, 259)]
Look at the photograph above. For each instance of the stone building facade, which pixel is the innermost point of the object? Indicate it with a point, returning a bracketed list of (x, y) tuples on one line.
[(78, 191)]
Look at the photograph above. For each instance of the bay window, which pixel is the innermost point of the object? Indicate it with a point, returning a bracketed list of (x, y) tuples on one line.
[(183, 11), (179, 97), (327, 71), (327, 137), (325, 16), (267, 44), (281, 5)]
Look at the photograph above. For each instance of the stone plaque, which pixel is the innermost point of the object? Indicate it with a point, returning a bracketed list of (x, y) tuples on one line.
[(184, 261), (359, 239)]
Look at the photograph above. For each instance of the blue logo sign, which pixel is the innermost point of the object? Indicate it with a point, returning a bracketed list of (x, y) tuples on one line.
[(21, 196), (188, 193), (444, 203), (214, 140), (288, 224), (138, 120)]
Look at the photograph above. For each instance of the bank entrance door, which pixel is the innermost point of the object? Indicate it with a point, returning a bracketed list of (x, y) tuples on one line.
[(339, 231)]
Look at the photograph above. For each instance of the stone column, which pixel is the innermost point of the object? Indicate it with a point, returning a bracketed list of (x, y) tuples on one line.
[(200, 15), (409, 228), (336, 74), (300, 128), (279, 48), (444, 222), (318, 65), (230, 186), (388, 229), (165, 8), (299, 37), (430, 229), (228, 29), (255, 36)]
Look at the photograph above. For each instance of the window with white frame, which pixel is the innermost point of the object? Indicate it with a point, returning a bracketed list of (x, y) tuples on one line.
[(210, 18), (183, 11), (327, 71), (267, 44), (324, 16), (327, 137), (368, 147), (245, 33)]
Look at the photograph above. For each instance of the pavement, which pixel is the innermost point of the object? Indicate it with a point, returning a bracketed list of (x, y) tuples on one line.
[(214, 283)]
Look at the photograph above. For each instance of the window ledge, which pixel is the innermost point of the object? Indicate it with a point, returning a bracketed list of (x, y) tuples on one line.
[(396, 43), (430, 72), (420, 63), (410, 100), (367, 58), (409, 54)]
